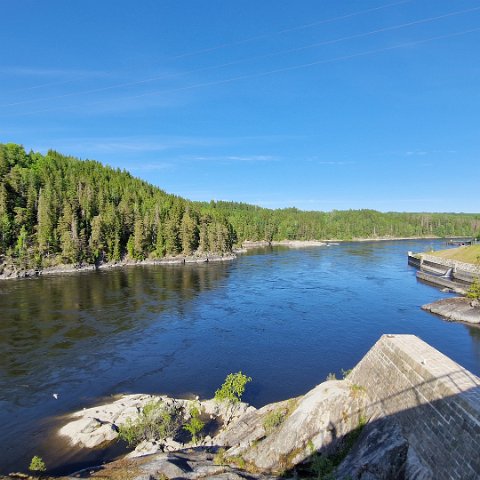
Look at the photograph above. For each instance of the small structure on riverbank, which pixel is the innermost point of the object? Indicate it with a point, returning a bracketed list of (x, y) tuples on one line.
[(462, 242), (434, 269)]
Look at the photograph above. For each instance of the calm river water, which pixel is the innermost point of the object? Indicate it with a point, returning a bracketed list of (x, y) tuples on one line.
[(286, 317)]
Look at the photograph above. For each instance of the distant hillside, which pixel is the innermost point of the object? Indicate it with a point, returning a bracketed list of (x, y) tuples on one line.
[(81, 211), (58, 209)]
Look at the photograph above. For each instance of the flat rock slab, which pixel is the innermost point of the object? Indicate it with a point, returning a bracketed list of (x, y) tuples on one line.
[(457, 309), (191, 464)]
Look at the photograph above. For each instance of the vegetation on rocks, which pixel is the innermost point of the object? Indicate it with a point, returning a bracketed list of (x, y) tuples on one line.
[(474, 291), (156, 421), (195, 425), (273, 420), (233, 388), (37, 464)]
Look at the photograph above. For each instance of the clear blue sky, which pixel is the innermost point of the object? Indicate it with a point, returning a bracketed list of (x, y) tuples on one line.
[(316, 104)]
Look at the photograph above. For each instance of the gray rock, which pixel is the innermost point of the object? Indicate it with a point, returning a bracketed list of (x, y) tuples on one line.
[(379, 454), (415, 469), (457, 309), (191, 464), (316, 422)]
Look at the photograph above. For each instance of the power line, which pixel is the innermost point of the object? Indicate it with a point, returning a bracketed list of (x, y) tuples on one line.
[(236, 62), (272, 72), (218, 47), (293, 29)]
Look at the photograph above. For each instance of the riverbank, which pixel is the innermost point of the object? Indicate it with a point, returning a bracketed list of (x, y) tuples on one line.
[(10, 271), (324, 242)]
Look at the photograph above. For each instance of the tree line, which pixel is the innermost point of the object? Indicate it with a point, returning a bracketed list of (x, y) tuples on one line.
[(58, 209)]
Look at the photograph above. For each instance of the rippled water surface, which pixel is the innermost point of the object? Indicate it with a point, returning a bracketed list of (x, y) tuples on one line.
[(286, 317)]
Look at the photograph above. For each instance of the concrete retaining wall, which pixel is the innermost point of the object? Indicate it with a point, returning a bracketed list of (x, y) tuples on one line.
[(462, 272), (466, 267), (458, 287), (435, 401)]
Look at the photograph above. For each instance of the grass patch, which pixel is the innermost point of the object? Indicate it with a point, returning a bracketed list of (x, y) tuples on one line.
[(220, 458), (273, 420), (357, 390), (466, 254)]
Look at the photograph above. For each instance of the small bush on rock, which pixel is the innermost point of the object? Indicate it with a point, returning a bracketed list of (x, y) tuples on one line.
[(156, 421), (37, 464), (474, 291), (273, 420), (194, 425), (233, 387)]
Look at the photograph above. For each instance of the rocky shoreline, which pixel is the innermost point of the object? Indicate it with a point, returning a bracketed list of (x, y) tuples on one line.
[(320, 243), (264, 442), (456, 309), (8, 272)]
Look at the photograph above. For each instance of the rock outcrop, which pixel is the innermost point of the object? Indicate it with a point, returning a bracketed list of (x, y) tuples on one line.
[(270, 440), (382, 453), (317, 421), (457, 309), (93, 427), (424, 424)]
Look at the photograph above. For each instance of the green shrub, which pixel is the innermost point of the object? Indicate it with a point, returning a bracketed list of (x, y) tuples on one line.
[(219, 458), (194, 425), (331, 376), (154, 422), (37, 464), (474, 291), (233, 387), (322, 467), (273, 420)]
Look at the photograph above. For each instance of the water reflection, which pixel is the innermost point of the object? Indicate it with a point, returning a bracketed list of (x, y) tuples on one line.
[(46, 318), (474, 332), (62, 334)]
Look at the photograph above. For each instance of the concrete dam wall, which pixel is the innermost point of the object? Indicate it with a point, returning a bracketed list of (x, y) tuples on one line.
[(435, 401)]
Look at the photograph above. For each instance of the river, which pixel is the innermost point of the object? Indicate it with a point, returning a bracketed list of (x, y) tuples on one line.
[(286, 317)]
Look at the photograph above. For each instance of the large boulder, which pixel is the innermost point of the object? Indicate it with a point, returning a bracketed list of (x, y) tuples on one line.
[(92, 427), (379, 454), (456, 309), (279, 436), (382, 453)]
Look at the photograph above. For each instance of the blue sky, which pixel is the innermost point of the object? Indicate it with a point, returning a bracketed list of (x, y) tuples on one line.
[(316, 104)]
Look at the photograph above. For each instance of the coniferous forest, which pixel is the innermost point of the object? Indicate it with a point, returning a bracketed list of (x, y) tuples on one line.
[(58, 209)]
